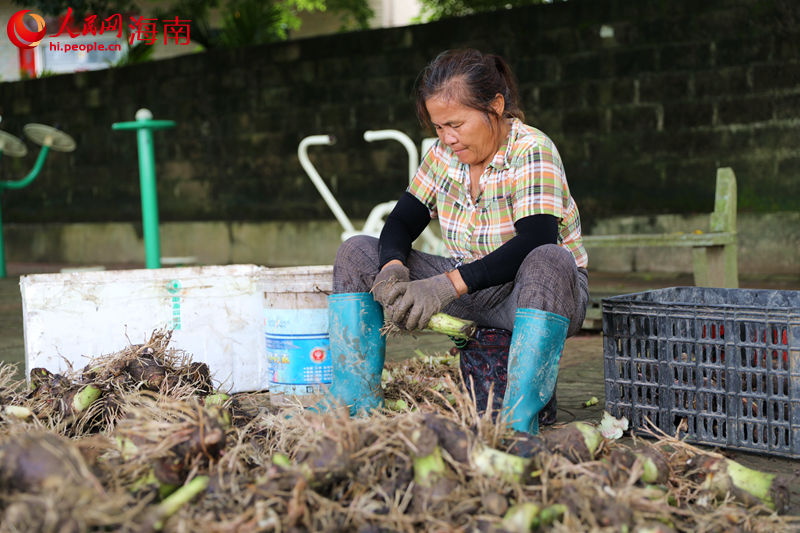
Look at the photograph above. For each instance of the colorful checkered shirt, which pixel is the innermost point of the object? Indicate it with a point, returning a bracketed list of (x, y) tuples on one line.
[(526, 177)]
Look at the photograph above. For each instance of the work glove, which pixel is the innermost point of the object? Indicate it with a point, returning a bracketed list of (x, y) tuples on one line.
[(388, 285), (422, 299)]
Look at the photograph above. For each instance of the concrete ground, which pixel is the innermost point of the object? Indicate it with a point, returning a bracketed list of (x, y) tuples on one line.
[(581, 374)]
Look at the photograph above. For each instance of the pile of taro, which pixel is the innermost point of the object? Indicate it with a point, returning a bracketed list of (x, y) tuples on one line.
[(143, 440)]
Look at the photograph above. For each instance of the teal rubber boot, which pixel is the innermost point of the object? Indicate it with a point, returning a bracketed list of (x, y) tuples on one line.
[(536, 345), (357, 350)]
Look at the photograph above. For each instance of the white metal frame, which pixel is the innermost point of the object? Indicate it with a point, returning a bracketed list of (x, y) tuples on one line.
[(429, 242)]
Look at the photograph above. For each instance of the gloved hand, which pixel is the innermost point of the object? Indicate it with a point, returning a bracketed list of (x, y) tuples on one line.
[(422, 299), (385, 289)]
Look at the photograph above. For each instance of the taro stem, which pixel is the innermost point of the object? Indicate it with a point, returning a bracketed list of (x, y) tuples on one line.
[(491, 462), (452, 326), (723, 476), (576, 441), (172, 503), (521, 517), (18, 412), (429, 466), (84, 398)]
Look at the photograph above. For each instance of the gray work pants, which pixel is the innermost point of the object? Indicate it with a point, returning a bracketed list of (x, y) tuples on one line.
[(548, 279)]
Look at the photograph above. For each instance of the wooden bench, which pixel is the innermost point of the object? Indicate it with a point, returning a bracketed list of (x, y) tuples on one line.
[(713, 253)]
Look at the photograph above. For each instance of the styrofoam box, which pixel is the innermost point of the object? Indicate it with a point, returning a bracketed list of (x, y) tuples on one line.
[(215, 312)]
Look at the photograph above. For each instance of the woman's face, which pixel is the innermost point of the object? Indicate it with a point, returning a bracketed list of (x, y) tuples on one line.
[(467, 131)]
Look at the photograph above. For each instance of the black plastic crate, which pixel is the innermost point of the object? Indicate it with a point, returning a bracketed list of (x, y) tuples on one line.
[(725, 360)]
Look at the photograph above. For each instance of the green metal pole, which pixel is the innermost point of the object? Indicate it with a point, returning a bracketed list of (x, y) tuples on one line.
[(24, 182), (147, 181), (37, 168), (144, 126), (2, 248)]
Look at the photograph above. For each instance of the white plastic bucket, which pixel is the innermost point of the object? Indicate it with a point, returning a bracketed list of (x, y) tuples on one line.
[(296, 332)]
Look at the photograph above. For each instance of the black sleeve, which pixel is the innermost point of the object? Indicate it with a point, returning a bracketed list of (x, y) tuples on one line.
[(501, 265), (403, 225)]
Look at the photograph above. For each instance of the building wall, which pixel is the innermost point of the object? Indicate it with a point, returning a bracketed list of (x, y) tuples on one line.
[(388, 14), (644, 99), (9, 54)]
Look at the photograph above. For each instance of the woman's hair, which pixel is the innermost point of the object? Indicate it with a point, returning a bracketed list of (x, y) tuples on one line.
[(472, 79)]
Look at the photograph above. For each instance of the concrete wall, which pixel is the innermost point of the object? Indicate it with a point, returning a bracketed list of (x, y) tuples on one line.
[(645, 100), (287, 243)]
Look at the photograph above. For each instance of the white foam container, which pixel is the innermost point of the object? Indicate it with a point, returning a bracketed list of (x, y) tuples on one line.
[(216, 313)]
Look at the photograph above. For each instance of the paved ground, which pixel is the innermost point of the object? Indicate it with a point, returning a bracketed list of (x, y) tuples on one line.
[(581, 375)]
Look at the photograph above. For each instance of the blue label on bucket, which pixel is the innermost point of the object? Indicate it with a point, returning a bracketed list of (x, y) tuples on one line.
[(299, 359), (297, 350)]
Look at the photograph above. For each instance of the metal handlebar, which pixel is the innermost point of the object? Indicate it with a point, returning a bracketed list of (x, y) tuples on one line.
[(402, 138), (316, 179)]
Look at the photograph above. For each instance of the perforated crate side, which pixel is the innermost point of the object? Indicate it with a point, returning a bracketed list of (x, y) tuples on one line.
[(632, 366), (728, 365)]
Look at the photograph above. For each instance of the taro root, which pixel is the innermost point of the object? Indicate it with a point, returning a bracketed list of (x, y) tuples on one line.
[(577, 441), (198, 375), (527, 516), (174, 437), (467, 449), (723, 476), (589, 503), (205, 439), (432, 481), (452, 437), (147, 371), (326, 462), (276, 480), (441, 467), (40, 376), (655, 467), (46, 385), (527, 445), (494, 503), (170, 471), (38, 461), (28, 515)]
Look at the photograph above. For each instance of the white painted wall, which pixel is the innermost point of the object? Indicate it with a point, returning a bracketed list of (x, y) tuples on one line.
[(9, 54)]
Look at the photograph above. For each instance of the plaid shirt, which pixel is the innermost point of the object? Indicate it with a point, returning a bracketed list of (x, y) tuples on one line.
[(526, 177)]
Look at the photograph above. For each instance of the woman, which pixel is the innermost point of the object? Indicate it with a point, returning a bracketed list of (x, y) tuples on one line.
[(516, 261)]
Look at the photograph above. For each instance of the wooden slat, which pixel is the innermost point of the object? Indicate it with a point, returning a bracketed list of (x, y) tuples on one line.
[(659, 239)]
